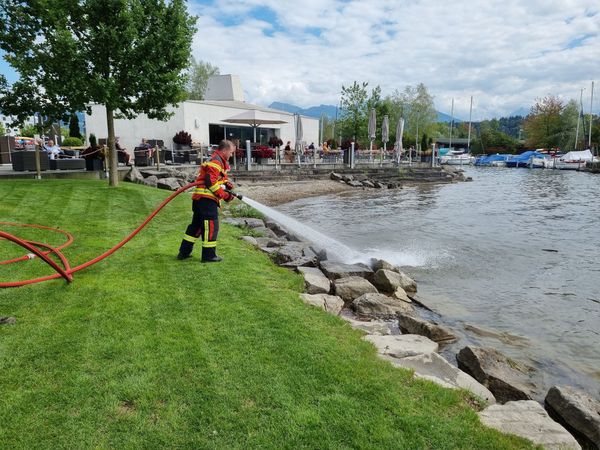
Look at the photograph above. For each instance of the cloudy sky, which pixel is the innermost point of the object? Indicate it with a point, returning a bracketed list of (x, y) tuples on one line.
[(504, 53)]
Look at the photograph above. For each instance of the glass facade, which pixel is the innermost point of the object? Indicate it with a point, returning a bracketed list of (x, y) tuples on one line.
[(219, 132)]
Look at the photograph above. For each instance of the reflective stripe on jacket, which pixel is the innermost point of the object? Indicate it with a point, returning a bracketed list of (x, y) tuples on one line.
[(211, 178)]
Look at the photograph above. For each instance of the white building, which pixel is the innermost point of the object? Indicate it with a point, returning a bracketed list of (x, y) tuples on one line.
[(205, 120), (13, 131)]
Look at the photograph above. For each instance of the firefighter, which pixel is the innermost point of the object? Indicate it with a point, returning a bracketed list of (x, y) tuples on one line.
[(212, 188)]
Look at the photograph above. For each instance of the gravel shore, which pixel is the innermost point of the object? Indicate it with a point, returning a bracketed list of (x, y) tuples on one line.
[(275, 192)]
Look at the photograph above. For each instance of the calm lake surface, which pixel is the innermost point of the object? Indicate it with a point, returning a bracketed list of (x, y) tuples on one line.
[(515, 254)]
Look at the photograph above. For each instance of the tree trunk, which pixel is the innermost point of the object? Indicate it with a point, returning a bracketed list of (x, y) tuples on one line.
[(113, 171)]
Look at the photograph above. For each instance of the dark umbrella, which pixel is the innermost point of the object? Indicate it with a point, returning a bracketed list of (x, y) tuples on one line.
[(299, 135)]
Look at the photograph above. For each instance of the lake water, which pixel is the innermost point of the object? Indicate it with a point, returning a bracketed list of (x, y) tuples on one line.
[(510, 260)]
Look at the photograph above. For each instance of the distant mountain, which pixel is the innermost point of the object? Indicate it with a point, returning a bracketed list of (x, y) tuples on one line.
[(443, 117), (522, 111), (313, 111), (330, 111)]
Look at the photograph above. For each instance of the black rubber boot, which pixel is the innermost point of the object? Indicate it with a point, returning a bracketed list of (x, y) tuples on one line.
[(209, 254)]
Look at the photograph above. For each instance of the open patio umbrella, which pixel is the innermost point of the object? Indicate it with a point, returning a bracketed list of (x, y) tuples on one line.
[(372, 131), (385, 134), (399, 134), (255, 119), (299, 135)]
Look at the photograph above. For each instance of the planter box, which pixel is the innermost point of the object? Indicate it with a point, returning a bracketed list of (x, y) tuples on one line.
[(67, 164), (25, 160)]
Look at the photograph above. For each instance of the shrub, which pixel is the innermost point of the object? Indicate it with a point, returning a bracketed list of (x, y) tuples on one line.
[(93, 140), (72, 142), (274, 141), (183, 138), (262, 151)]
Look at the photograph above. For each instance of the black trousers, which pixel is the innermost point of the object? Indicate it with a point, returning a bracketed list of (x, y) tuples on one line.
[(204, 226)]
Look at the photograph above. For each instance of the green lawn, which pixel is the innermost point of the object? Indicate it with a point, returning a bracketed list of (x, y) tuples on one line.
[(144, 351)]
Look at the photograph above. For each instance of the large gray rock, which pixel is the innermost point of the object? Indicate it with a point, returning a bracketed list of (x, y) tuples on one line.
[(265, 232), (154, 173), (529, 420), (252, 222), (289, 252), (350, 288), (402, 345), (334, 270), (134, 176), (373, 327), (270, 242), (386, 280), (250, 240), (314, 280), (401, 294), (151, 181), (578, 412), (380, 306), (415, 325), (277, 229), (433, 367), (354, 183), (330, 303), (507, 379), (169, 184), (404, 281)]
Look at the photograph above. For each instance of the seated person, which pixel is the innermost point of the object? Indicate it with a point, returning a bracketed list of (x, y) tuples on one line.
[(52, 149), (122, 151), (145, 146)]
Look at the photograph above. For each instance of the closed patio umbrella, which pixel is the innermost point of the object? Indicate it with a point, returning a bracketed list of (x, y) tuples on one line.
[(372, 130), (399, 134), (385, 134)]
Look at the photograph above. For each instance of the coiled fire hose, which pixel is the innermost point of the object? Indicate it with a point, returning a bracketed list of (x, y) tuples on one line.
[(43, 251)]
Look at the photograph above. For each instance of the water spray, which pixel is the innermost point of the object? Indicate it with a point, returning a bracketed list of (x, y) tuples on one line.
[(335, 249)]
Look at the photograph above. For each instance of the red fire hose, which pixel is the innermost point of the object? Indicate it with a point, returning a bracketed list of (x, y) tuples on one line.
[(66, 271)]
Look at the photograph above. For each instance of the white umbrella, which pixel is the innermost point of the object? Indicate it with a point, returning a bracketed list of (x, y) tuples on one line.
[(372, 130), (255, 119), (399, 134), (385, 134)]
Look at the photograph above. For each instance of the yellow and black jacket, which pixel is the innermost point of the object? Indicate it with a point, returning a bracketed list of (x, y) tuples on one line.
[(212, 180)]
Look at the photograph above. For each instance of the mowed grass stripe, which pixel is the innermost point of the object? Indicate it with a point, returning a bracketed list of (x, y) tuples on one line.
[(143, 351)]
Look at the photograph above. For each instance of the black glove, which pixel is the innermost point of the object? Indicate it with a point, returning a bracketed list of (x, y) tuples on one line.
[(239, 196), (229, 186)]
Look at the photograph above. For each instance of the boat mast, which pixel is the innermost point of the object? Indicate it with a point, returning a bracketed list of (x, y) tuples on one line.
[(591, 106), (578, 117), (470, 116), (451, 124)]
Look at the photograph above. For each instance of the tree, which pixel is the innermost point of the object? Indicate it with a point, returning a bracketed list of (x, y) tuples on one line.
[(544, 124), (416, 106), (199, 73), (129, 55), (2, 129), (354, 110), (28, 130), (74, 127)]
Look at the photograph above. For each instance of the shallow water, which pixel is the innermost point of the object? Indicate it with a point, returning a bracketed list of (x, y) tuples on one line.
[(510, 260)]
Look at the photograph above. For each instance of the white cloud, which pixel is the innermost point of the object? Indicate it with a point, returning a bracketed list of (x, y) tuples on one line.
[(504, 53)]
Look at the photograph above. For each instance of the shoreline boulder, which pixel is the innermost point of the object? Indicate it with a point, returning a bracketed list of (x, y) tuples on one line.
[(350, 288), (380, 306), (507, 379), (415, 325), (577, 411), (527, 418)]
